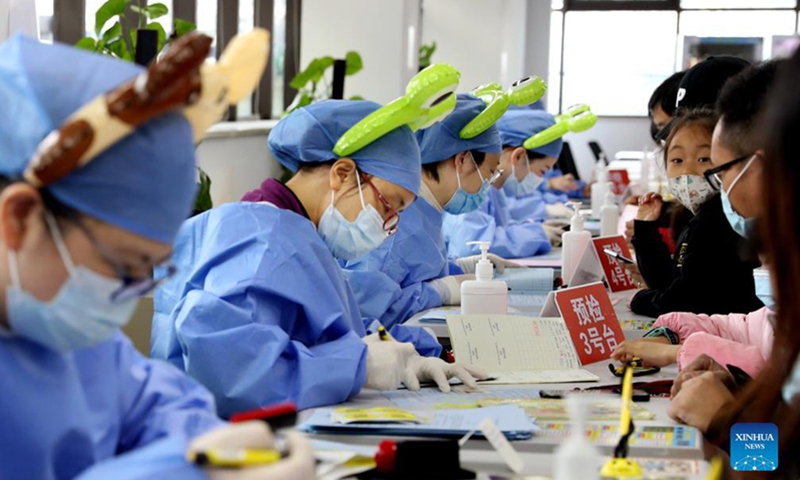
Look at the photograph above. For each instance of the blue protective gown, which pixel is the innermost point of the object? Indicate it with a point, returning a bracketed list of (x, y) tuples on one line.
[(96, 408), (262, 313), (391, 282), (527, 207), (492, 223)]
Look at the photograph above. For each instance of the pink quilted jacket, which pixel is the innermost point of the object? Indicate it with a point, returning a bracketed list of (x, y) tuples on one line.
[(741, 340)]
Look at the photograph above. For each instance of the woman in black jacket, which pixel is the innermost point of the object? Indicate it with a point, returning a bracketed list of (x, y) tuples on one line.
[(706, 274)]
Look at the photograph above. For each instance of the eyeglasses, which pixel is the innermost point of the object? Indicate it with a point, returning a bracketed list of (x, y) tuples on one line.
[(389, 223), (713, 176), (132, 287)]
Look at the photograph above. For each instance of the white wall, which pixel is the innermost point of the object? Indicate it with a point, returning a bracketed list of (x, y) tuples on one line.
[(476, 35), (384, 32), (236, 165)]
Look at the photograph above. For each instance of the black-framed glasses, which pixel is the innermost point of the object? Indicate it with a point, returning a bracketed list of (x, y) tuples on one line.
[(132, 287), (393, 219), (713, 175)]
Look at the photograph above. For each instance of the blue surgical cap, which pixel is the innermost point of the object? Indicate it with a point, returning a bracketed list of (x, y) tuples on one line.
[(518, 125), (309, 134), (144, 184), (442, 140)]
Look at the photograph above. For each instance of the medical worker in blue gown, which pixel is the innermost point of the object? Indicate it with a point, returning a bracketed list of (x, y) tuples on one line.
[(263, 312), (411, 271), (526, 192), (78, 400), (512, 217)]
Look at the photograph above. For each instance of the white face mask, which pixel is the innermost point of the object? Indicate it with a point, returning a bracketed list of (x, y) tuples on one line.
[(691, 190), (351, 240), (82, 313)]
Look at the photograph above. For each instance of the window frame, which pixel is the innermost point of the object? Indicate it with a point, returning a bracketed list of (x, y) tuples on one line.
[(641, 5)]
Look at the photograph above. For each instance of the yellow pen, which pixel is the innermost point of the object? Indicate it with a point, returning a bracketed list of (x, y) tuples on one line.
[(715, 472), (627, 398), (235, 458), (620, 466), (384, 335)]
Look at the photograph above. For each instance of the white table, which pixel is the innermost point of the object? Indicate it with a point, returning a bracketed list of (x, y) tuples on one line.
[(478, 456)]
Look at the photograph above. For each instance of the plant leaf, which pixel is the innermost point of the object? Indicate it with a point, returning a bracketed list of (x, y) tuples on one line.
[(156, 10), (114, 32), (323, 64), (357, 97), (87, 43), (118, 48), (203, 200), (182, 27), (354, 63), (108, 10), (162, 34), (302, 78)]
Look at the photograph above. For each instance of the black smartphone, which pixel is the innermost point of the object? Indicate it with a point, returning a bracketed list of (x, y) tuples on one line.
[(638, 395), (638, 370), (618, 256)]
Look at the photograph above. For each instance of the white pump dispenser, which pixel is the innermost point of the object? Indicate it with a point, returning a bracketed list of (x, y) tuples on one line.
[(610, 213), (599, 188), (574, 243), (484, 295), (578, 458)]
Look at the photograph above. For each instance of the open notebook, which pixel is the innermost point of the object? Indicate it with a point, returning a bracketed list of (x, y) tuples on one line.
[(517, 350)]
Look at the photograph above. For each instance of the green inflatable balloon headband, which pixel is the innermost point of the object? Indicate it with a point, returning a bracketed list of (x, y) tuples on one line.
[(577, 118), (430, 97), (522, 92)]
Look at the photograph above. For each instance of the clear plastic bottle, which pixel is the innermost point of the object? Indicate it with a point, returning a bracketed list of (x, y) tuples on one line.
[(599, 188), (577, 458), (484, 295), (609, 215), (574, 244)]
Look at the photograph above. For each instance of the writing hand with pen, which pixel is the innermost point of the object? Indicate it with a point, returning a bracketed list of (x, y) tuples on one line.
[(391, 363)]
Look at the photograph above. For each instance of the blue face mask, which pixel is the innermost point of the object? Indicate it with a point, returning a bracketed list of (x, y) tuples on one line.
[(351, 240), (82, 313), (763, 287), (464, 202), (528, 186), (739, 224)]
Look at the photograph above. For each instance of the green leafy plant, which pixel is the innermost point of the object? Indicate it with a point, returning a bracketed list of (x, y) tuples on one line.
[(312, 85), (113, 41), (203, 200), (425, 54)]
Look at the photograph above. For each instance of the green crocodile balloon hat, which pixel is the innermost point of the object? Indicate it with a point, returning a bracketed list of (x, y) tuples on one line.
[(522, 92), (430, 97), (577, 118)]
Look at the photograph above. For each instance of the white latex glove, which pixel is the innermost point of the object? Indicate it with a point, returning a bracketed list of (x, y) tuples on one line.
[(449, 288), (386, 362), (554, 233), (299, 465), (427, 369), (558, 210), (467, 264)]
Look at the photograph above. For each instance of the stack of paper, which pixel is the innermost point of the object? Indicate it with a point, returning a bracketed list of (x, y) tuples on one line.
[(517, 350), (510, 419), (527, 287)]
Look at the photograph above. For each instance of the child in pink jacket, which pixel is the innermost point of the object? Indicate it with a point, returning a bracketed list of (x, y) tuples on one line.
[(741, 340)]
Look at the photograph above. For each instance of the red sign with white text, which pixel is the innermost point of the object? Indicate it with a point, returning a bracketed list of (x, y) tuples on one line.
[(591, 321), (620, 179), (619, 279)]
